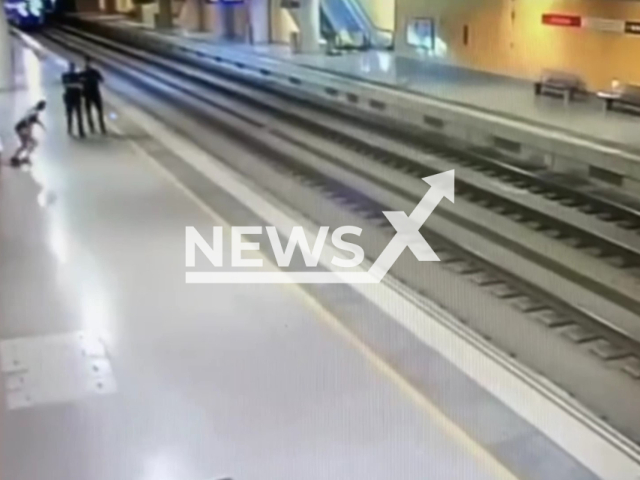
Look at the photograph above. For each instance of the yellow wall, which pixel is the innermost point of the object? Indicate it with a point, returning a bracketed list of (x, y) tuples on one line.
[(381, 12), (523, 46), (282, 24)]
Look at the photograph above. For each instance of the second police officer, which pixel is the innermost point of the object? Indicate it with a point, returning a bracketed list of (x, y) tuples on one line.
[(91, 79), (73, 93)]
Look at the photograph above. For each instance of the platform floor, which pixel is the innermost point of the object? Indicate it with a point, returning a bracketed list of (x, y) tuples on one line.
[(113, 368), (497, 94)]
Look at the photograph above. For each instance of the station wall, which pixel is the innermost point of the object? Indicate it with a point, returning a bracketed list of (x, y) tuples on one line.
[(223, 21), (509, 37)]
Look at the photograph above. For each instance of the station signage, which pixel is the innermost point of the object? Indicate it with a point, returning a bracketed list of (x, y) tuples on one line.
[(603, 25), (609, 25), (561, 20), (632, 28)]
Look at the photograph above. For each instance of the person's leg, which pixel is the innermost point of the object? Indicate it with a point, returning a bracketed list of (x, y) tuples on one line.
[(99, 107), (88, 107), (17, 156), (79, 119), (30, 145), (69, 112)]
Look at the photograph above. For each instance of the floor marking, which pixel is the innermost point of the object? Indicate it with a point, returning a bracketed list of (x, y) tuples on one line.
[(57, 368)]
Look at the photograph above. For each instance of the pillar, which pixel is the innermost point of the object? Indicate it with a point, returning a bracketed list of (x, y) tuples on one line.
[(202, 15), (259, 17), (6, 62), (309, 24), (110, 6), (165, 14), (228, 13)]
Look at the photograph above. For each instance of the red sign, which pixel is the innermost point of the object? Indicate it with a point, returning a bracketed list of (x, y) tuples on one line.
[(561, 20)]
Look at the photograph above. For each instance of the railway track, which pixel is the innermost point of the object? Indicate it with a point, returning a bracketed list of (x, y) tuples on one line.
[(376, 178)]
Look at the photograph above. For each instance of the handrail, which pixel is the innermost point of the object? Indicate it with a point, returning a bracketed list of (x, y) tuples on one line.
[(370, 24), (329, 14), (372, 35)]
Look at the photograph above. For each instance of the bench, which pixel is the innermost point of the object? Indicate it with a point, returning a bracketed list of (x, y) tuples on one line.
[(557, 83), (626, 97)]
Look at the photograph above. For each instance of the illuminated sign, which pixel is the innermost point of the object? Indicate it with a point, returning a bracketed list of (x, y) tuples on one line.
[(561, 20), (632, 28), (421, 33), (592, 23), (603, 25)]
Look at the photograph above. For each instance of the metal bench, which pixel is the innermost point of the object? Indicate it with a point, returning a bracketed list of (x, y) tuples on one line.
[(557, 83), (624, 98)]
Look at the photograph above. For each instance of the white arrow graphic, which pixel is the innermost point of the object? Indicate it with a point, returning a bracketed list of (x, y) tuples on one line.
[(407, 236), (408, 227)]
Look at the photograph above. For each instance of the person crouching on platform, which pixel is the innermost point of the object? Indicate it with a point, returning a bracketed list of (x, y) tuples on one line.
[(91, 79), (72, 82), (24, 130)]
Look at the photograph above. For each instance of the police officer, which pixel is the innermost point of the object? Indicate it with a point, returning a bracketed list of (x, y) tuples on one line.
[(91, 79), (73, 87)]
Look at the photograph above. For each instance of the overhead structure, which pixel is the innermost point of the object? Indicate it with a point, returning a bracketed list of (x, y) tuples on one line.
[(165, 14), (6, 63)]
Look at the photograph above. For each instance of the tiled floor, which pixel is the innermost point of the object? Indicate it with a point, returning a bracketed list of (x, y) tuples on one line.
[(201, 382)]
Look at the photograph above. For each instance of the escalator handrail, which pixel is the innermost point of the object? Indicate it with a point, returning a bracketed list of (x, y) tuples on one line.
[(369, 27)]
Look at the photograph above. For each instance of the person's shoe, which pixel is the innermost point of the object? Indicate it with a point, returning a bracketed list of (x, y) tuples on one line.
[(15, 162), (26, 161)]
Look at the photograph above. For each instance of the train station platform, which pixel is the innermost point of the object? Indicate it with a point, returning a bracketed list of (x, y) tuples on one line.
[(482, 110), (180, 382), (114, 368), (492, 93), (511, 98)]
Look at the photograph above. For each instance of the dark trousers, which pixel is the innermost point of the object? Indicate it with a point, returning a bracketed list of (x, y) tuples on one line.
[(91, 102), (74, 109)]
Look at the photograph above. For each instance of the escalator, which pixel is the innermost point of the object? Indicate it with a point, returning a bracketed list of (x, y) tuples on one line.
[(345, 25), (350, 20)]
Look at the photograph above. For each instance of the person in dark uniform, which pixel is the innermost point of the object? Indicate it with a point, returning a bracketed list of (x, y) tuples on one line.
[(72, 82), (91, 79)]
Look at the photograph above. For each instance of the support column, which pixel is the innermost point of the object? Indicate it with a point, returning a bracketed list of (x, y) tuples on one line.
[(110, 6), (6, 62), (309, 24), (202, 15), (165, 14), (228, 13)]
